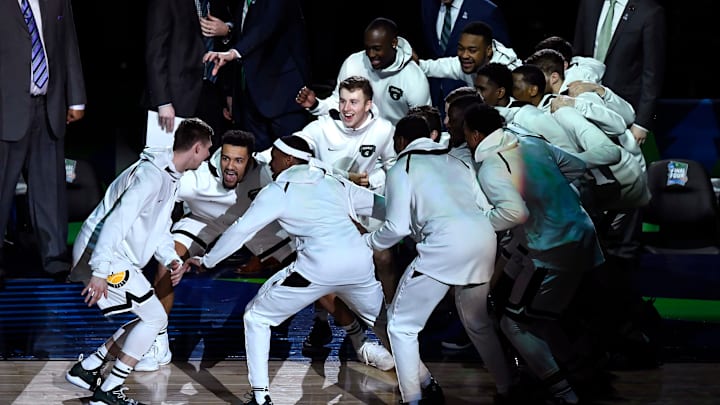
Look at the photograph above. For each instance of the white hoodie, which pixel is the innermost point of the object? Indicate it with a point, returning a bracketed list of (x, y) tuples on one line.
[(213, 208), (396, 88), (434, 197), (132, 222), (368, 148), (316, 208), (450, 67)]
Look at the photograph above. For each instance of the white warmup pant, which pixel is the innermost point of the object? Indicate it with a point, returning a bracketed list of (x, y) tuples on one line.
[(414, 301), (274, 303)]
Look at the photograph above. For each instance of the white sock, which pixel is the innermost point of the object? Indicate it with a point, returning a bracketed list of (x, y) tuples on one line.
[(117, 376), (356, 334), (260, 393), (96, 359)]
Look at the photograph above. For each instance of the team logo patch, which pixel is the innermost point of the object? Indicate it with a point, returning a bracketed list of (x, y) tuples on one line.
[(253, 193), (367, 150), (118, 280), (395, 92)]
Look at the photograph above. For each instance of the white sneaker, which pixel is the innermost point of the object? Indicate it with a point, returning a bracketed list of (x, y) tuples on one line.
[(163, 354), (375, 355), (148, 362)]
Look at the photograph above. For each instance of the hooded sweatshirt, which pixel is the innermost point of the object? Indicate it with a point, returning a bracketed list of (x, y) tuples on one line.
[(434, 197), (132, 222), (528, 182), (368, 148), (315, 207), (213, 208), (450, 67), (396, 88)]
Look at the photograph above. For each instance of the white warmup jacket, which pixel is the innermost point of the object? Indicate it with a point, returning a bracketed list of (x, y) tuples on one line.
[(368, 148), (450, 68), (594, 147), (213, 208), (132, 222), (434, 197), (315, 207), (396, 88), (590, 69), (527, 180)]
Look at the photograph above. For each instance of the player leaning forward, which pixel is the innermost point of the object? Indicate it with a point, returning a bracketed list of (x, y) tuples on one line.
[(130, 226), (318, 209)]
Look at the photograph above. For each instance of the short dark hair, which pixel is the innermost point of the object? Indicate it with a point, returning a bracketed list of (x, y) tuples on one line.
[(483, 118), (236, 137), (385, 24), (357, 82), (480, 29), (533, 75), (460, 92), (456, 111), (431, 115), (298, 143), (499, 74), (549, 61), (190, 131), (464, 101), (559, 44), (412, 127)]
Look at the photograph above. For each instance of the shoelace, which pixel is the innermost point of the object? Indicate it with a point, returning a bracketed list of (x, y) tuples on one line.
[(120, 394)]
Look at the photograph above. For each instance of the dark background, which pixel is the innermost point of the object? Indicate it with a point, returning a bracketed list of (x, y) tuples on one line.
[(111, 36)]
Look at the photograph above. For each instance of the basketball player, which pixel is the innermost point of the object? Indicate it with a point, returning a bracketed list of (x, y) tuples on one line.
[(128, 227)]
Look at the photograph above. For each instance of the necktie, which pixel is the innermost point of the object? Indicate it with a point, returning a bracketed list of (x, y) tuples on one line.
[(446, 28), (605, 33), (246, 6), (38, 62), (203, 9)]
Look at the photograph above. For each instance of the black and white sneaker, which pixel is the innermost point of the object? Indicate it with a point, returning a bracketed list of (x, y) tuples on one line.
[(88, 379), (252, 400), (116, 396)]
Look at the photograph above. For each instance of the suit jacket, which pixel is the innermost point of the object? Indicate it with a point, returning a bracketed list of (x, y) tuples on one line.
[(471, 10), (274, 55), (635, 61), (65, 86), (174, 52)]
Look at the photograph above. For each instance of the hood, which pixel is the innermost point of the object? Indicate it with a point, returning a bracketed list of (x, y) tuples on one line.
[(403, 56), (214, 162), (162, 158), (424, 145), (584, 69), (309, 173), (508, 113), (498, 141), (333, 120), (504, 55)]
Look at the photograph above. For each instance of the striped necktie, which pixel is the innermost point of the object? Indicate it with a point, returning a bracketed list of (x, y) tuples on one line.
[(203, 9), (446, 28), (38, 62), (606, 32)]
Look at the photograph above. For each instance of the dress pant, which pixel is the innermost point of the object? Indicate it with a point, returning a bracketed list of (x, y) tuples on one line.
[(40, 156)]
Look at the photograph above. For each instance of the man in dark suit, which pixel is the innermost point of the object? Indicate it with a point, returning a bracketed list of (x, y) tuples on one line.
[(41, 91), (271, 46), (178, 84), (635, 58), (434, 13)]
